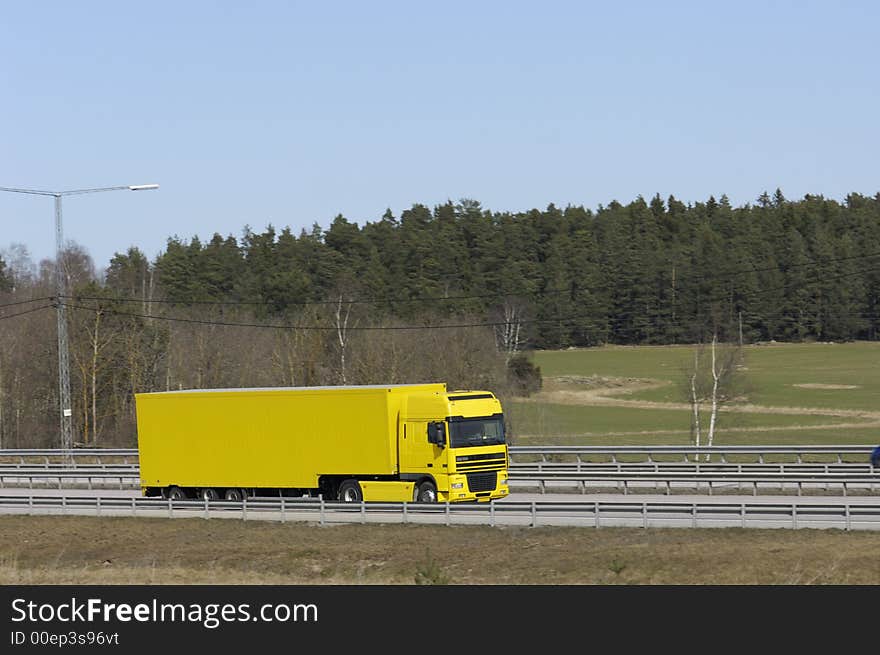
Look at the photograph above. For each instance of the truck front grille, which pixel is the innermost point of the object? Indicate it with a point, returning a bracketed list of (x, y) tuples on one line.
[(482, 481), (487, 462)]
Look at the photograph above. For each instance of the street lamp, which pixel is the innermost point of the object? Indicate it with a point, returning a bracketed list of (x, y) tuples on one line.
[(63, 359)]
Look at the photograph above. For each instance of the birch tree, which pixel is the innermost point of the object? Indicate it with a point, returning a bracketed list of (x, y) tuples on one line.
[(714, 378), (509, 332)]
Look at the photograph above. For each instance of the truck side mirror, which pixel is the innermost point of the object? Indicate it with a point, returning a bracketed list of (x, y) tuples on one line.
[(437, 433)]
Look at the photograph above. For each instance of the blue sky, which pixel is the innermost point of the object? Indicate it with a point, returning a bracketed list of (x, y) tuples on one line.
[(289, 113)]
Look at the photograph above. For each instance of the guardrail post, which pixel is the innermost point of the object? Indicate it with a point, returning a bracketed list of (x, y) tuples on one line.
[(98, 506), (89, 482), (534, 514), (133, 506), (742, 513), (625, 488), (794, 516), (596, 513), (170, 508), (844, 487), (710, 487), (321, 497), (63, 505), (694, 515), (491, 509), (800, 488), (363, 511), (405, 517), (30, 505), (846, 514), (644, 515), (283, 510), (244, 506), (205, 498), (447, 513)]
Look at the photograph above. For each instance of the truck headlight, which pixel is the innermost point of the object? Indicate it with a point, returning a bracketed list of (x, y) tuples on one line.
[(503, 479), (457, 485)]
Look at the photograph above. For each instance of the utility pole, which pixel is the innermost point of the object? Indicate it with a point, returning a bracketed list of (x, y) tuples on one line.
[(61, 315), (65, 405)]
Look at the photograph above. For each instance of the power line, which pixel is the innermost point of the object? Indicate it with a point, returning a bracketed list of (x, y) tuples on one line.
[(329, 327), (24, 302), (27, 311), (365, 301)]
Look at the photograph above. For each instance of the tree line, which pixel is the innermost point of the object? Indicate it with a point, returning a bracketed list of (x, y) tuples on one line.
[(455, 293)]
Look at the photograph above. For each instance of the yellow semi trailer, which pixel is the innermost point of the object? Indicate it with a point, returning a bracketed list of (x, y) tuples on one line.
[(375, 443)]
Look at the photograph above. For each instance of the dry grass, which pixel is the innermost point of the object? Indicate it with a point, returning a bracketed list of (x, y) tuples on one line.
[(84, 550)]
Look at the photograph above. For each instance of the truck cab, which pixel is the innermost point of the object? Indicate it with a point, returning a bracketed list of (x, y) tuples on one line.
[(453, 447)]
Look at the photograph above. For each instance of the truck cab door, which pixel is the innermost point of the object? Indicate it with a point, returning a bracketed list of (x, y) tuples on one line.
[(417, 455)]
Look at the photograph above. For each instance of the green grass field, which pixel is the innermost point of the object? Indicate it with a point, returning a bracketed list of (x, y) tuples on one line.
[(795, 394)]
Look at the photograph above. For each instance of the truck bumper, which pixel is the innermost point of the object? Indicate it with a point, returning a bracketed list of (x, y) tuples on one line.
[(459, 491)]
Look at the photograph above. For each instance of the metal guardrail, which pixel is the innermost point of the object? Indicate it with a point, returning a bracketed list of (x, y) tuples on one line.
[(622, 478), (721, 452), (522, 468), (578, 452), (69, 457), (700, 481), (794, 515)]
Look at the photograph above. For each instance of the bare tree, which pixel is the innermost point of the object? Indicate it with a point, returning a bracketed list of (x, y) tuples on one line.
[(91, 359), (341, 324), (716, 383), (509, 333)]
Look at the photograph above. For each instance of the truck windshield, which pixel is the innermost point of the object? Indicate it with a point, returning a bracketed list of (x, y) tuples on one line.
[(488, 431)]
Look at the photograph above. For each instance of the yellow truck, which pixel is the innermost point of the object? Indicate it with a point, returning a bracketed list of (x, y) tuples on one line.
[(400, 443)]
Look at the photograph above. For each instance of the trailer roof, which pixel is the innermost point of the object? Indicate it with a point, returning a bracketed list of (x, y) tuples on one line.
[(325, 388)]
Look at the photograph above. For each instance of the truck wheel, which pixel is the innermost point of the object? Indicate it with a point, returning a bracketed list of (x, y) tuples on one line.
[(350, 492), (176, 493), (426, 492), (209, 494), (235, 495)]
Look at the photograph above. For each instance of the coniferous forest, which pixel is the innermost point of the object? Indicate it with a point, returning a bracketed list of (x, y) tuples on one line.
[(452, 293)]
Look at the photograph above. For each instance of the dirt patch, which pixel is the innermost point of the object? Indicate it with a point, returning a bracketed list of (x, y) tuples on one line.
[(817, 385), (606, 392), (91, 550)]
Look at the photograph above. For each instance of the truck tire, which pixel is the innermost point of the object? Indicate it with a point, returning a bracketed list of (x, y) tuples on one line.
[(350, 492), (210, 494), (426, 492), (234, 495), (175, 493)]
